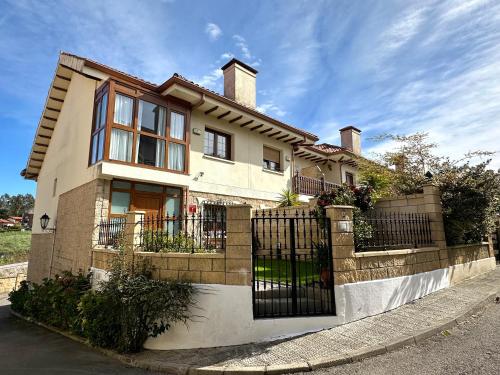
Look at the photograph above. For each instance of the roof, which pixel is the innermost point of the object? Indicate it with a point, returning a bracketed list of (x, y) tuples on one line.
[(69, 64), (327, 148)]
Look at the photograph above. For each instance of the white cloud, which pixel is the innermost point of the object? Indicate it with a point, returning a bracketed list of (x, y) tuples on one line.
[(241, 43), (213, 31), (226, 56), (210, 80), (271, 108)]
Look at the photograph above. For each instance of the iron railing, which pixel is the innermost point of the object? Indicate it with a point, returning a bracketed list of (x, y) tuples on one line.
[(111, 231), (292, 264), (190, 232), (392, 230), (311, 186)]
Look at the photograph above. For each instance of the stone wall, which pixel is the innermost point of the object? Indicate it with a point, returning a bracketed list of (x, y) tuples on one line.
[(11, 275), (468, 253), (78, 214), (233, 266), (39, 256)]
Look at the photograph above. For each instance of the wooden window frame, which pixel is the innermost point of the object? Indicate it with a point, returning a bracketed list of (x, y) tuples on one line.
[(229, 144), (280, 163), (101, 91), (132, 191), (169, 103), (347, 179)]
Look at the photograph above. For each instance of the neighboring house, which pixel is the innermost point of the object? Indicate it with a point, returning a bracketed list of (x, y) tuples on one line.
[(114, 142), (5, 223)]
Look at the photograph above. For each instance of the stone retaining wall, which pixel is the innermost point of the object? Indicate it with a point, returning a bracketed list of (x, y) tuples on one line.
[(11, 275), (230, 267), (468, 253)]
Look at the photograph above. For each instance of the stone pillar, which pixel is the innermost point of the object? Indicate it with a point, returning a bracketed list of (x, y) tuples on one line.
[(491, 250), (238, 245), (344, 262), (132, 235), (433, 208)]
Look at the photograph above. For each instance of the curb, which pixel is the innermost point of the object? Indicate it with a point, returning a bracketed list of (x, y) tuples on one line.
[(335, 360)]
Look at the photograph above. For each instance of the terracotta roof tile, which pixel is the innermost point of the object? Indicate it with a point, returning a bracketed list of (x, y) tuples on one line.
[(327, 148)]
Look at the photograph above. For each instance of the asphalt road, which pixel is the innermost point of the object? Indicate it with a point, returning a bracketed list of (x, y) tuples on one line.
[(28, 349), (470, 348)]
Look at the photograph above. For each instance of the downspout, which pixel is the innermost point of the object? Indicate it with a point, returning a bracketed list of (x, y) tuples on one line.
[(199, 102)]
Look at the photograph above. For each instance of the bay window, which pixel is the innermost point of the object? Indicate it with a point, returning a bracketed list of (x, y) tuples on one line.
[(143, 129), (99, 128)]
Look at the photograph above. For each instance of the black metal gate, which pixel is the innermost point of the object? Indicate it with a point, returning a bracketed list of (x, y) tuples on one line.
[(292, 264)]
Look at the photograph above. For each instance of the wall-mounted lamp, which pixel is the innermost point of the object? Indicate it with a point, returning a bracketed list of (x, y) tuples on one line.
[(344, 226), (44, 221), (196, 131)]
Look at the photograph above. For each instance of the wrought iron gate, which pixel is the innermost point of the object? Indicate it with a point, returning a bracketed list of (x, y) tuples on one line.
[(292, 264)]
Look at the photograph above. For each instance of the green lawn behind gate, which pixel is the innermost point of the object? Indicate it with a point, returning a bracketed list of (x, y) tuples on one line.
[(280, 270), (14, 246)]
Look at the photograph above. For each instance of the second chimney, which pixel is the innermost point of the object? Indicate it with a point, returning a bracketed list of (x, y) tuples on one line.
[(350, 138), (239, 82)]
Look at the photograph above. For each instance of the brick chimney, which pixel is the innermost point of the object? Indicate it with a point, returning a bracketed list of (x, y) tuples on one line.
[(239, 82), (350, 138)]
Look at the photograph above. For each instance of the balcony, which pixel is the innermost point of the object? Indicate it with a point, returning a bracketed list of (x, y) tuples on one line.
[(310, 186)]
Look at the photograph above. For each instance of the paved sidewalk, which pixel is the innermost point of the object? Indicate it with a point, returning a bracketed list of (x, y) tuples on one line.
[(406, 325)]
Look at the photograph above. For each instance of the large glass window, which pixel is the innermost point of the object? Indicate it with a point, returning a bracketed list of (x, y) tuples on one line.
[(99, 128), (152, 132), (272, 159), (176, 154), (217, 144), (121, 145), (177, 129), (124, 107), (152, 118), (120, 202), (150, 151)]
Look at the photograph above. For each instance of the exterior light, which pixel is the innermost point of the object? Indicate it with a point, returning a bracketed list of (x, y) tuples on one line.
[(44, 221)]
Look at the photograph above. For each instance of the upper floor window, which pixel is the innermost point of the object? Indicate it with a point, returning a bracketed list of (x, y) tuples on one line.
[(349, 179), (272, 159), (217, 144), (99, 128), (147, 132)]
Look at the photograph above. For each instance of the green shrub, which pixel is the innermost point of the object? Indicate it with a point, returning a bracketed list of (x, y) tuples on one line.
[(121, 314), (54, 301), (130, 307), (19, 298), (159, 241), (357, 196)]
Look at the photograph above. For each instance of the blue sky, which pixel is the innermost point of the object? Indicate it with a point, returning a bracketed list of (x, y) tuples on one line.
[(384, 66)]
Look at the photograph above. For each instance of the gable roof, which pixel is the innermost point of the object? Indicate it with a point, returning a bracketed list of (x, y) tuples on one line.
[(69, 64)]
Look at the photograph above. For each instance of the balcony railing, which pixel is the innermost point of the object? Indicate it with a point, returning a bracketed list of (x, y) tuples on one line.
[(310, 186)]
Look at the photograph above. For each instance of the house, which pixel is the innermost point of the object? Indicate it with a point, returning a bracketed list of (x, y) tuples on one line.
[(108, 142), (5, 223)]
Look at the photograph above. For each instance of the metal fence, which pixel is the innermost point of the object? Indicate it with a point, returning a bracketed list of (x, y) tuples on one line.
[(189, 232), (195, 232), (392, 230), (111, 231), (292, 264)]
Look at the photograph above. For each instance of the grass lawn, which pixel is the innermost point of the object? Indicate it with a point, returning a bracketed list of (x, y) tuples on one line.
[(14, 246), (279, 270)]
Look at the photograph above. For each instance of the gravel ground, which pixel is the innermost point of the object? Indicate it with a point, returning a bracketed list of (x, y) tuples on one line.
[(473, 347)]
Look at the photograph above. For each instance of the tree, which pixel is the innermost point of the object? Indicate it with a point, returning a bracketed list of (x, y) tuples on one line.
[(16, 205), (470, 192)]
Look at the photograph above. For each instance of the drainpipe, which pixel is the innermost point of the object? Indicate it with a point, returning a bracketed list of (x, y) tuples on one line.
[(199, 102)]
